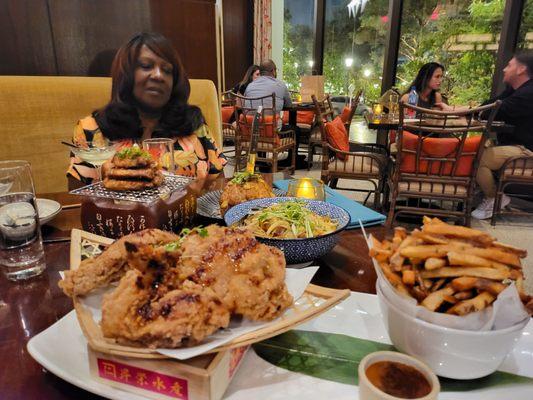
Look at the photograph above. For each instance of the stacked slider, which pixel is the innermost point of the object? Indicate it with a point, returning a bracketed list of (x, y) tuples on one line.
[(131, 169)]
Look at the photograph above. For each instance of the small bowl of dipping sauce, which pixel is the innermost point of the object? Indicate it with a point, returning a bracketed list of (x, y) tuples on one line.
[(387, 375)]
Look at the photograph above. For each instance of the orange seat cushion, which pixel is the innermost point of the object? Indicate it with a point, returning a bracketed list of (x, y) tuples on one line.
[(305, 117), (302, 117), (345, 115), (438, 147), (227, 113), (266, 127), (337, 136)]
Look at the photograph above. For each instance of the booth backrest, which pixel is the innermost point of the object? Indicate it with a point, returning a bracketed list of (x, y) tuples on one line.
[(38, 112)]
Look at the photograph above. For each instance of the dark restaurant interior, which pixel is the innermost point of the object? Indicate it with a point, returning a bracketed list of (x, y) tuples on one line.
[(266, 199)]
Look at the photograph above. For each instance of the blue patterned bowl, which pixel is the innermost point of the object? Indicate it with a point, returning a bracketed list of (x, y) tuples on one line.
[(296, 250)]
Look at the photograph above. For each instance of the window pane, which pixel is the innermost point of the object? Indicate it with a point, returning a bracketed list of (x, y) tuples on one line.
[(525, 36), (462, 35), (298, 41), (354, 43)]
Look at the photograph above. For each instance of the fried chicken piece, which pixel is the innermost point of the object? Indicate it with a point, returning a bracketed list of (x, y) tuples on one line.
[(131, 169), (133, 162), (111, 265), (247, 276), (123, 173), (237, 192), (134, 314), (123, 184)]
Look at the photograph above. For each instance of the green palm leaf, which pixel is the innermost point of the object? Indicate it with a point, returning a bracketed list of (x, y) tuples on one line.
[(336, 357)]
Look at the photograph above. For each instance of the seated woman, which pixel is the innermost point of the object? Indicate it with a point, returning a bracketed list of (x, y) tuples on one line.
[(252, 73), (427, 84), (149, 97)]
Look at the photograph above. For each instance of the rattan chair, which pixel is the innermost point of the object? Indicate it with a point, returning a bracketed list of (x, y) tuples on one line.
[(228, 129), (515, 171), (315, 137), (363, 161), (436, 162), (271, 142)]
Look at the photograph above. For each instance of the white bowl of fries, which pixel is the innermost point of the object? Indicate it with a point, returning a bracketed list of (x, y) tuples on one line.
[(450, 353), (451, 296)]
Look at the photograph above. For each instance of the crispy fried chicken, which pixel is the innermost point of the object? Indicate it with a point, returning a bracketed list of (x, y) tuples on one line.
[(243, 187), (131, 169), (186, 292), (111, 265)]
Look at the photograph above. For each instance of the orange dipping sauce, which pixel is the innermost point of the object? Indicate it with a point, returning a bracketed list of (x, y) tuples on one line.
[(398, 379)]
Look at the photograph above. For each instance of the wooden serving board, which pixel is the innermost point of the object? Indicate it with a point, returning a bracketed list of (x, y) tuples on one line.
[(315, 301)]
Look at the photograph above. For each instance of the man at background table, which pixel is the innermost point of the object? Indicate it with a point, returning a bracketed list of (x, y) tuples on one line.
[(265, 85), (517, 110)]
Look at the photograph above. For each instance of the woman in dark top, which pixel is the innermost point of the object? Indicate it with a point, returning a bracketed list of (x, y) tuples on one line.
[(427, 84), (251, 74)]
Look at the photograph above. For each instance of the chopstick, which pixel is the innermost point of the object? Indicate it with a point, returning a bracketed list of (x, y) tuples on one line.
[(57, 240), (69, 144), (69, 206)]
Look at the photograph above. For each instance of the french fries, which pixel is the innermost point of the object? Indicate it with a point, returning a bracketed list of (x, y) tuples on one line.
[(450, 269)]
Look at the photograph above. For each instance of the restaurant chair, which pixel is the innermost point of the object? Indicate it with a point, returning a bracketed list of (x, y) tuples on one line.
[(348, 111), (516, 171), (342, 159), (272, 141), (228, 118), (437, 157), (346, 115)]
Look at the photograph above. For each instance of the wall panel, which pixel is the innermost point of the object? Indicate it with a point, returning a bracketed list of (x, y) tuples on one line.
[(238, 39), (26, 45)]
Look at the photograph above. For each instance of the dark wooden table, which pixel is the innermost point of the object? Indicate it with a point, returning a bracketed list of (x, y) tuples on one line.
[(30, 307)]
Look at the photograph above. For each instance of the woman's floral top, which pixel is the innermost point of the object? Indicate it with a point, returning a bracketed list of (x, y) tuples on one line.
[(195, 155)]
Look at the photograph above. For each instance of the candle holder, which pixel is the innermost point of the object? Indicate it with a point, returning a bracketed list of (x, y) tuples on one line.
[(307, 188), (377, 112)]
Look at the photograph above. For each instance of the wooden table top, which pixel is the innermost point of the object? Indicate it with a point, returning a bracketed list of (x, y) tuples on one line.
[(30, 307)]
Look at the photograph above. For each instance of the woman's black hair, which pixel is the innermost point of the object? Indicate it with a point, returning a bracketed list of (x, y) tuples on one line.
[(119, 119), (425, 73), (247, 78)]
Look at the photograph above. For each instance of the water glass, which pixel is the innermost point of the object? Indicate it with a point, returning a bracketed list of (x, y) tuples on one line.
[(21, 245), (162, 150)]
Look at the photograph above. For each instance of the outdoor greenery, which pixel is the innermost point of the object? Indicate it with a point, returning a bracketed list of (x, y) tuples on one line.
[(430, 30)]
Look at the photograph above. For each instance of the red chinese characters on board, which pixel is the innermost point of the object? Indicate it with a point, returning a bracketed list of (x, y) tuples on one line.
[(143, 379)]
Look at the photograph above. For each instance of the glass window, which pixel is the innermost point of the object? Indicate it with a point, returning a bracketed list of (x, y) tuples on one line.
[(298, 41), (354, 44), (525, 36), (462, 35)]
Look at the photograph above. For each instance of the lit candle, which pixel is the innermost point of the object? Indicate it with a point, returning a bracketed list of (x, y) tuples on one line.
[(305, 189)]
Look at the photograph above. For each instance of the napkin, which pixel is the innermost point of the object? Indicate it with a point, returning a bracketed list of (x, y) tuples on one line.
[(357, 211)]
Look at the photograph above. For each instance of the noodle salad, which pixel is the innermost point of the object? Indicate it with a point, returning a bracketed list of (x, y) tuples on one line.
[(288, 220)]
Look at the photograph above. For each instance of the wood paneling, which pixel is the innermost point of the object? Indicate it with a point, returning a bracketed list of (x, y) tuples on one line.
[(26, 45), (190, 25), (81, 37), (87, 34), (238, 39)]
